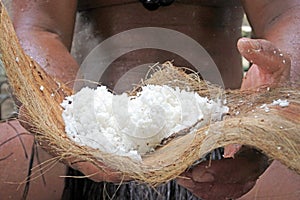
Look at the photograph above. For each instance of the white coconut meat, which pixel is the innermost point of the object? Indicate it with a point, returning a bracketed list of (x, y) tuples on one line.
[(133, 126)]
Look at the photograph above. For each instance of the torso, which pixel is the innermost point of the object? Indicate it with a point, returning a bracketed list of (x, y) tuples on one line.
[(213, 24)]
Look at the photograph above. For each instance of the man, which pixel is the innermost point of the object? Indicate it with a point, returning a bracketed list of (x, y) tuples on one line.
[(45, 30)]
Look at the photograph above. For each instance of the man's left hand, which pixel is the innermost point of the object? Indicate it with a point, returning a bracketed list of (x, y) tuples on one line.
[(270, 66)]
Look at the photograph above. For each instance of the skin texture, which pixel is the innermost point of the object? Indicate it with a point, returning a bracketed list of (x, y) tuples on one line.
[(17, 153), (45, 30), (271, 66), (287, 188), (203, 180), (280, 27), (47, 38)]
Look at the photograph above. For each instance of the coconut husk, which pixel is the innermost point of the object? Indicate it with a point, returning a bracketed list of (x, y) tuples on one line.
[(274, 131)]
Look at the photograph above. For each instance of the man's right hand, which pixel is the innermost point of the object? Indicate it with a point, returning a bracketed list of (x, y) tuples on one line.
[(226, 178)]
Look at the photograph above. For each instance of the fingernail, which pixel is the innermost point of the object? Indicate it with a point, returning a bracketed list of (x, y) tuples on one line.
[(255, 45), (205, 177)]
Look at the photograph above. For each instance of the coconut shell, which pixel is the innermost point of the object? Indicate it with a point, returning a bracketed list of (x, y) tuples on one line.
[(274, 131)]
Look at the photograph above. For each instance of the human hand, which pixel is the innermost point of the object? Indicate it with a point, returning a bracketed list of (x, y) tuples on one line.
[(226, 178), (271, 66)]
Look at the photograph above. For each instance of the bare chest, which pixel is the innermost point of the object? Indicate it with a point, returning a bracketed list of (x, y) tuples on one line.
[(92, 4)]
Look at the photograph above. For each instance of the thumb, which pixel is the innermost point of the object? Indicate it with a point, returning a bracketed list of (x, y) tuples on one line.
[(264, 54)]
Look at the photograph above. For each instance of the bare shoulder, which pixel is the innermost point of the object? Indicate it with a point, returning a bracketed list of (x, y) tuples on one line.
[(21, 158)]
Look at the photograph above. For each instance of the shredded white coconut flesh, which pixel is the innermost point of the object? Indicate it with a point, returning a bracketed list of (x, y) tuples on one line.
[(281, 103), (132, 126)]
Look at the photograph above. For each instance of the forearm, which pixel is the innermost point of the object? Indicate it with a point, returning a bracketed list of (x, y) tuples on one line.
[(278, 22), (46, 49), (45, 30)]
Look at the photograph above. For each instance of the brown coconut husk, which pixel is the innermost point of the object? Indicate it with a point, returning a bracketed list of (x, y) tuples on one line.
[(276, 132)]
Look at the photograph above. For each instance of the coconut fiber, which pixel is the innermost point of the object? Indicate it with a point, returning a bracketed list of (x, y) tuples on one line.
[(253, 118)]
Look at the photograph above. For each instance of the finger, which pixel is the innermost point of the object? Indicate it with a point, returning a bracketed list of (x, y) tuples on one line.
[(99, 174), (231, 149), (264, 54), (186, 182), (223, 190), (253, 79), (231, 177), (216, 191), (247, 165)]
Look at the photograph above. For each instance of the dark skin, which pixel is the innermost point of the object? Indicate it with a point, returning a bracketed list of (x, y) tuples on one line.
[(45, 29), (235, 185)]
